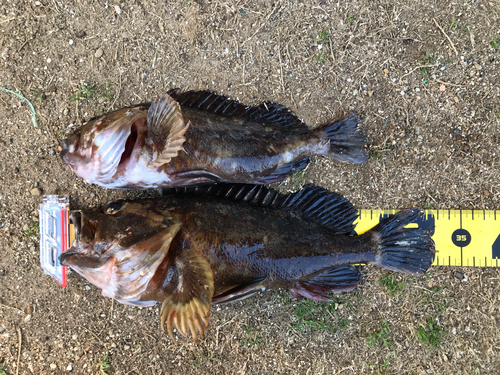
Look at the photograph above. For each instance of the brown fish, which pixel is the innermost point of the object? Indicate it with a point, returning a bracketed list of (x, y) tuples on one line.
[(226, 242), (200, 137)]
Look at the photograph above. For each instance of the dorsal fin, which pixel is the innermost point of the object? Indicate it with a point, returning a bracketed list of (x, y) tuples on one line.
[(166, 128), (314, 203), (266, 113)]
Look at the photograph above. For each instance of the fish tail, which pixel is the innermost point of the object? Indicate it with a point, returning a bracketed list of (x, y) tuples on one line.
[(344, 141), (407, 250), (338, 279)]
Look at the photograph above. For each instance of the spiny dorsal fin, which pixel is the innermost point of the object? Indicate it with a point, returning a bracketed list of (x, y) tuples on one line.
[(266, 113), (189, 305), (166, 128), (314, 203)]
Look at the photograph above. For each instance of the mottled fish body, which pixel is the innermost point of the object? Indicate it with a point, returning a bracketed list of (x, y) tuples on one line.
[(199, 137), (223, 242)]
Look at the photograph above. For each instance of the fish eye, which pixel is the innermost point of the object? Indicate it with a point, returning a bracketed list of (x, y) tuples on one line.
[(114, 207)]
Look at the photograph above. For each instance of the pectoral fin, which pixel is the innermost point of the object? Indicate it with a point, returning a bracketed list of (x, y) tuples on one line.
[(189, 304), (166, 128)]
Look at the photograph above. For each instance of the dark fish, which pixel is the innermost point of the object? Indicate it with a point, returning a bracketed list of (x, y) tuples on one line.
[(228, 241), (200, 137)]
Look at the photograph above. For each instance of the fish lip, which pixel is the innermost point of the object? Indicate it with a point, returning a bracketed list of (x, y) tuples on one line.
[(64, 256), (65, 143)]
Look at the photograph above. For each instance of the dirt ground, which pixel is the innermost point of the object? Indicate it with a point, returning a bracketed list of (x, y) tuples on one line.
[(424, 75)]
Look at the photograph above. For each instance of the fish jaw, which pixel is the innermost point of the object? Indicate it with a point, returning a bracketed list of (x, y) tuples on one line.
[(106, 145), (99, 162), (121, 264)]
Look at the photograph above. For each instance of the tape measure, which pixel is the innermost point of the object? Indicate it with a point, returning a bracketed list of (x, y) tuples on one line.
[(462, 237)]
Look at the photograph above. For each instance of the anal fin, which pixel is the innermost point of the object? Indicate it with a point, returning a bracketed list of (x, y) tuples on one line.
[(284, 171), (339, 279)]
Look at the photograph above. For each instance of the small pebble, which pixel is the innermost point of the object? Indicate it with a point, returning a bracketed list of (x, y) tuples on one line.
[(99, 53), (69, 368), (27, 318), (386, 71), (459, 275), (126, 347), (53, 366), (442, 88), (117, 9), (66, 111), (2, 329), (37, 3), (74, 337), (36, 192), (70, 42)]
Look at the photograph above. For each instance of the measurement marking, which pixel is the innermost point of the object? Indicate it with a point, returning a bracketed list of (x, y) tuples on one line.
[(461, 248), (485, 262), (473, 261), (484, 215)]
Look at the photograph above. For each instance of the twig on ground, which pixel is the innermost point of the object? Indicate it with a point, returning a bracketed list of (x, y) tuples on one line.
[(119, 87), (261, 26), (446, 35), (10, 307), (20, 336), (281, 64), (448, 83), (418, 67)]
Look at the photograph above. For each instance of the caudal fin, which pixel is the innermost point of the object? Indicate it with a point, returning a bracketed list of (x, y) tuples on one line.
[(407, 250), (344, 140)]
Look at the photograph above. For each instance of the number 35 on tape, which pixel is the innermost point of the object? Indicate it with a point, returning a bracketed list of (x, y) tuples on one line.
[(462, 237)]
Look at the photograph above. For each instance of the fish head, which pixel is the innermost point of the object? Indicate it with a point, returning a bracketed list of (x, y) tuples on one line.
[(97, 150), (119, 247)]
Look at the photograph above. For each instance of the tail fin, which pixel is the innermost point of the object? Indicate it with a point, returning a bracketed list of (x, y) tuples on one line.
[(345, 141), (407, 250)]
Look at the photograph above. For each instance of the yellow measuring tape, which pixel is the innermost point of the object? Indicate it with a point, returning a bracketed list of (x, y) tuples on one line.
[(462, 237)]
